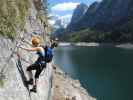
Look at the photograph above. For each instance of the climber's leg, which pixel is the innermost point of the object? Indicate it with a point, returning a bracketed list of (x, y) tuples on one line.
[(29, 72), (34, 89), (38, 72)]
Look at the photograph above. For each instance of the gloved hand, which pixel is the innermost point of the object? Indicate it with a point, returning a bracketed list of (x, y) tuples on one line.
[(18, 45)]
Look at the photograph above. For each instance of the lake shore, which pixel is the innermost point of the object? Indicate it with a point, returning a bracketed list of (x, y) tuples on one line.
[(94, 44), (126, 46), (78, 44), (66, 88)]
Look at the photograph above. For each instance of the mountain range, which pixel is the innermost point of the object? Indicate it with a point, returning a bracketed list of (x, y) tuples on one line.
[(78, 13), (106, 14), (106, 21)]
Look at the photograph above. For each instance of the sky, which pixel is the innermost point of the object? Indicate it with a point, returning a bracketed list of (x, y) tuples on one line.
[(63, 9)]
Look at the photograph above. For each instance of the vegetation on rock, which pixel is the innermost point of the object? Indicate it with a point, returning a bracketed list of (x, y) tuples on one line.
[(12, 16)]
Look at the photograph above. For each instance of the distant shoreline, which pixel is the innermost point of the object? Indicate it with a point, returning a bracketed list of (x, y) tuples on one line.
[(126, 46), (78, 44), (93, 44)]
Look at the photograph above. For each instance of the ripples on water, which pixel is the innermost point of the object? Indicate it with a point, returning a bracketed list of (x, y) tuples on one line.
[(106, 72)]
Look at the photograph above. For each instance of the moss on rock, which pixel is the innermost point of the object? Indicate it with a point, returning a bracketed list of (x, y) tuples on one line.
[(12, 16)]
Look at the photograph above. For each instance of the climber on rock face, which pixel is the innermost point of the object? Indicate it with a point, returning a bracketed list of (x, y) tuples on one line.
[(39, 64)]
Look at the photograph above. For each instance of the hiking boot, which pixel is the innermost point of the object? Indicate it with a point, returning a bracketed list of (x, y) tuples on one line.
[(30, 82), (33, 89)]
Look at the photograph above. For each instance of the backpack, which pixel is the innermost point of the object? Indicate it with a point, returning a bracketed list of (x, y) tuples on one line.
[(48, 54)]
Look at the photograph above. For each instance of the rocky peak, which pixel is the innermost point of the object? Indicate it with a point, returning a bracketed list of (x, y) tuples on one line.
[(79, 12), (93, 7)]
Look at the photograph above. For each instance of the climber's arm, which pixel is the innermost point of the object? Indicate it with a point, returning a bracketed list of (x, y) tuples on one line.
[(30, 49)]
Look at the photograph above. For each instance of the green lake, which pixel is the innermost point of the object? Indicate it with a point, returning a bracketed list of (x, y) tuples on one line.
[(106, 72)]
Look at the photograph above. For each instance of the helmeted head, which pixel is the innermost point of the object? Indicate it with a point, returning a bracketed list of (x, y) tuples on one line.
[(35, 41)]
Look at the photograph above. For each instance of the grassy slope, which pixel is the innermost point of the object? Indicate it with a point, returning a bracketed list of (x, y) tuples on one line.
[(12, 16)]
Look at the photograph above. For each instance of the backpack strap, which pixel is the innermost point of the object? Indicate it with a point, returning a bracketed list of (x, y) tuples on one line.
[(45, 49)]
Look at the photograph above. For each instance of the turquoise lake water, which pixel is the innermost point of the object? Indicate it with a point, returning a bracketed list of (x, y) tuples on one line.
[(106, 72)]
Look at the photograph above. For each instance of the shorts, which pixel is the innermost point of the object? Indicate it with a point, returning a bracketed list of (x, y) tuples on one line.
[(38, 67)]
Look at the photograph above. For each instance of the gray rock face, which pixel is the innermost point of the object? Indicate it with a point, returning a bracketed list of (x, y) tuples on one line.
[(79, 12), (77, 15), (11, 84)]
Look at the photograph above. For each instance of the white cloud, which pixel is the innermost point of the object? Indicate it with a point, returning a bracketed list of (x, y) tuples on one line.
[(66, 16), (65, 6), (99, 0), (53, 18), (65, 20), (51, 22), (60, 20)]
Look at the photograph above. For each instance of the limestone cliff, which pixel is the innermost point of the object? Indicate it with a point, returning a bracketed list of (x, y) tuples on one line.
[(12, 86)]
